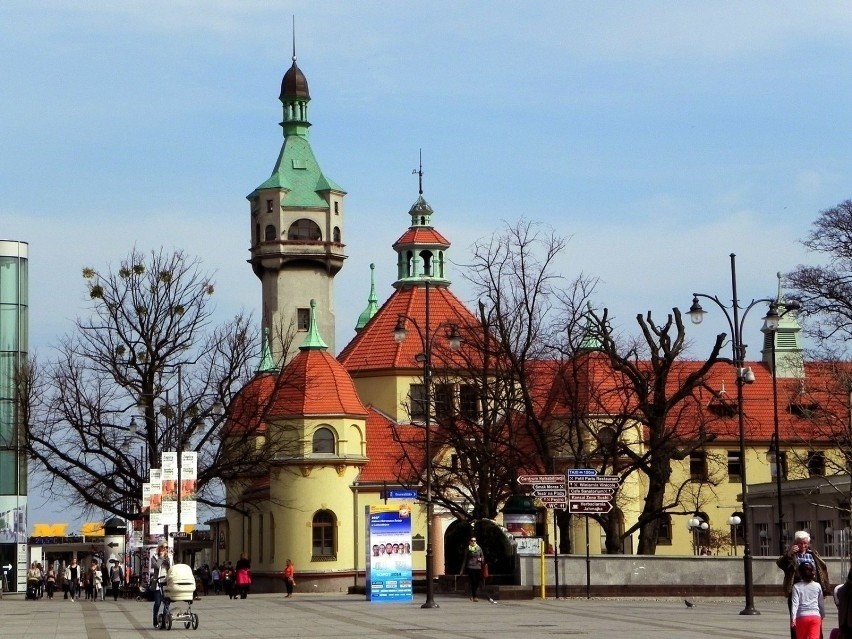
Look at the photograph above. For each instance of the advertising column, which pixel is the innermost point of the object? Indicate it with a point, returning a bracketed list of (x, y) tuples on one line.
[(389, 548)]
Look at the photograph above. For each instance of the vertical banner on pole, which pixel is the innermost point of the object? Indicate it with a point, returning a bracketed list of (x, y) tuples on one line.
[(170, 479), (389, 543), (155, 524), (188, 487)]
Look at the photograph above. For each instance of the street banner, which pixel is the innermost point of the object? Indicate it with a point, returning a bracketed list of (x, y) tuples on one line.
[(389, 552), (155, 521), (188, 487), (146, 497), (170, 477)]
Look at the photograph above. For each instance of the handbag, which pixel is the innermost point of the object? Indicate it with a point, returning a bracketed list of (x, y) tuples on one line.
[(243, 578), (484, 570)]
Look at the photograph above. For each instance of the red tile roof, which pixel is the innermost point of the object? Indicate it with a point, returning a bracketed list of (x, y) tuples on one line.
[(313, 383), (389, 460), (808, 409), (374, 348), (422, 235)]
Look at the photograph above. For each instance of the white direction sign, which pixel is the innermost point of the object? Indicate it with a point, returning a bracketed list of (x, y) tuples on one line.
[(541, 479), (589, 492)]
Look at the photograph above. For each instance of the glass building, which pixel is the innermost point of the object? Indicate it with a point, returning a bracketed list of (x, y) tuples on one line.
[(13, 460)]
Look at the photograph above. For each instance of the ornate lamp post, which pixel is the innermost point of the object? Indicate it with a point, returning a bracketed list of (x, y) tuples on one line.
[(734, 522), (399, 334), (697, 525), (744, 376), (770, 327)]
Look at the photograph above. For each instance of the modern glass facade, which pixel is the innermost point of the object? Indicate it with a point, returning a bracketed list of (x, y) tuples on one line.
[(14, 305)]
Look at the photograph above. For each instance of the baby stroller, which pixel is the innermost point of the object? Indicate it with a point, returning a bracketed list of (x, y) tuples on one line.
[(32, 589), (178, 587)]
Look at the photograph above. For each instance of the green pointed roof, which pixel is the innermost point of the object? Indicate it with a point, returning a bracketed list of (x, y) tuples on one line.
[(590, 342), (267, 362), (298, 172), (313, 340), (372, 302)]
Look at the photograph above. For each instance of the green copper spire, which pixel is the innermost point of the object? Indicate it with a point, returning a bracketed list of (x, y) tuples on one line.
[(372, 302), (267, 363), (788, 340), (590, 342), (313, 340)]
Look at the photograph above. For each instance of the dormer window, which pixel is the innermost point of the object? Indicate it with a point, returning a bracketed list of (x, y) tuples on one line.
[(805, 410)]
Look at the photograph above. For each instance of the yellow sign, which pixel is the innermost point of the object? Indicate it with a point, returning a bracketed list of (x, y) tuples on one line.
[(93, 529), (50, 530)]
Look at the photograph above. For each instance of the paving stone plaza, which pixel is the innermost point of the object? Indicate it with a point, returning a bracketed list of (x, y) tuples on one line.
[(341, 616)]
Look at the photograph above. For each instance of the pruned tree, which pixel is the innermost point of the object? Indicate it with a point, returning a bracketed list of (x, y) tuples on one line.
[(664, 399), (145, 371), (825, 291)]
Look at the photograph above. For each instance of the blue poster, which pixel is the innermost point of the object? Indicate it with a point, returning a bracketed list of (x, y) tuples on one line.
[(389, 552)]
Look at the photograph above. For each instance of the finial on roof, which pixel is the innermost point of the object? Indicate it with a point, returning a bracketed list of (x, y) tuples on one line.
[(589, 342), (778, 297), (372, 302), (313, 340), (419, 173), (294, 37), (267, 362)]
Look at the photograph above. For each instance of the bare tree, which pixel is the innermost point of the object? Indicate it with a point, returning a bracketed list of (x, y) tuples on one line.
[(825, 291), (147, 351), (665, 399)]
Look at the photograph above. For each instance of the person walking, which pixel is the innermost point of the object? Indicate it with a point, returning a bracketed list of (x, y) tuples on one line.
[(97, 578), (51, 582), (472, 563), (216, 576), (289, 577), (808, 604), (160, 565), (72, 579), (843, 601), (800, 552), (116, 577), (228, 580), (243, 575)]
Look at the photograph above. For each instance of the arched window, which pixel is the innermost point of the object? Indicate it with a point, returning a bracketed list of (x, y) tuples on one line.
[(322, 534), (336, 234), (323, 441), (269, 233), (304, 230), (426, 256)]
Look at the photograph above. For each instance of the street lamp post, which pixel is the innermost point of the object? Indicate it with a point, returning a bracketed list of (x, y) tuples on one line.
[(697, 525), (426, 340), (734, 522), (770, 327), (743, 376)]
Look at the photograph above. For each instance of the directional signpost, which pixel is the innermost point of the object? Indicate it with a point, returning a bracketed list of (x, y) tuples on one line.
[(590, 493), (550, 489)]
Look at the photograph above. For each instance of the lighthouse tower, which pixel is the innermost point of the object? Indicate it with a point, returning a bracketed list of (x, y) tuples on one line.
[(296, 232)]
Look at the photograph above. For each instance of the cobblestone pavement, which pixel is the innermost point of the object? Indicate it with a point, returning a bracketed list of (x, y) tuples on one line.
[(340, 616)]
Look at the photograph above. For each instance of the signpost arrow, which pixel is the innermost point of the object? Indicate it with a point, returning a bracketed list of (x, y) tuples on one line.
[(589, 507), (541, 479)]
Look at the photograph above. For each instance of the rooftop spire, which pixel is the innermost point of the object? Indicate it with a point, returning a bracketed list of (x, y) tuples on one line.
[(313, 341), (267, 362), (419, 173), (372, 302)]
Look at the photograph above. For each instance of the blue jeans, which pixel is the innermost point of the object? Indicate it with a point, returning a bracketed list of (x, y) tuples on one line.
[(158, 599)]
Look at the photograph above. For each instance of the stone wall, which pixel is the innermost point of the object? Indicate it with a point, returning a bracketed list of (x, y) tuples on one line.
[(613, 575)]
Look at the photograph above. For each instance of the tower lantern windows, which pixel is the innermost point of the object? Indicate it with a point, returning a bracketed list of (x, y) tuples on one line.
[(304, 230)]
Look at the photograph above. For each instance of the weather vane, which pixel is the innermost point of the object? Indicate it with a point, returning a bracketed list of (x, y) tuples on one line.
[(419, 173)]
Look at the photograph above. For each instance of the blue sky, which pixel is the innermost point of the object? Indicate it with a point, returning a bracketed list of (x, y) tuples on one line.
[(661, 136)]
